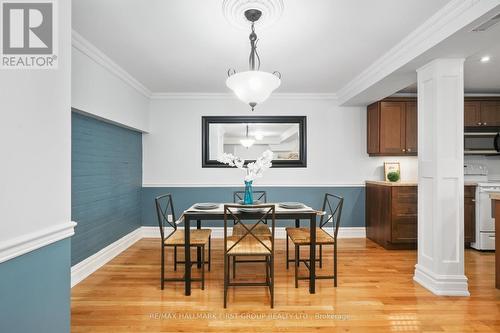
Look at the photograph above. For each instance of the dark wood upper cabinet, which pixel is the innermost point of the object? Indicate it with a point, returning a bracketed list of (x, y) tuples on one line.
[(392, 127), (373, 129), (482, 112), (472, 115), (411, 126), (490, 113)]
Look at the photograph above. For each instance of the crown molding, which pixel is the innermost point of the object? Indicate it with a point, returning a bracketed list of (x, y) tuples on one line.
[(83, 45), (222, 96), (451, 18)]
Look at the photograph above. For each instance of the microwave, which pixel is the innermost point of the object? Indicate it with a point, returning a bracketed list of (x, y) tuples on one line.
[(481, 143)]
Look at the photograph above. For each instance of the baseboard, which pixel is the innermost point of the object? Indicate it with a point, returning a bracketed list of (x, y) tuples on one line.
[(88, 266), (441, 285), (91, 264)]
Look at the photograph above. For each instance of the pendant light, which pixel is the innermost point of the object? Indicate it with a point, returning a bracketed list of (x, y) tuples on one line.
[(247, 142), (253, 86)]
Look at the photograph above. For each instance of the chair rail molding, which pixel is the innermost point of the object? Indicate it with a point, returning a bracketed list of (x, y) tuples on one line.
[(452, 17), (80, 43), (29, 242), (88, 266)]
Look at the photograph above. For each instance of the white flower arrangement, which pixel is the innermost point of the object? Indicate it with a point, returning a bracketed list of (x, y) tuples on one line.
[(253, 170)]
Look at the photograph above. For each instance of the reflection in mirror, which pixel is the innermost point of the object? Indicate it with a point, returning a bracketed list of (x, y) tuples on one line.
[(249, 140)]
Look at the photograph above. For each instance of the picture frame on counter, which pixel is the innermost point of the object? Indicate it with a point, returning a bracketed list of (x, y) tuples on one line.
[(392, 167)]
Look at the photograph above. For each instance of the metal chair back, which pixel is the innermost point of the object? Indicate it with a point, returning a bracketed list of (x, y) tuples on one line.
[(264, 212), (332, 206), (257, 195), (164, 208)]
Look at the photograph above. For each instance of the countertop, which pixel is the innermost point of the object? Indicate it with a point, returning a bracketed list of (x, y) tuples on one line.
[(407, 183)]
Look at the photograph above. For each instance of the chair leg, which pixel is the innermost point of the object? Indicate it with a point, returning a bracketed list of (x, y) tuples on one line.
[(175, 258), (272, 279), (162, 274), (209, 252), (203, 267), (287, 257), (296, 265), (320, 256), (226, 276), (268, 273), (335, 264)]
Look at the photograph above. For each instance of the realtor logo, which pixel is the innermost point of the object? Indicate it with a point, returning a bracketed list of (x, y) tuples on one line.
[(28, 32)]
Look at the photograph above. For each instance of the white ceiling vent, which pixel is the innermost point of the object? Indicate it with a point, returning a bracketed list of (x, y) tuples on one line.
[(488, 24)]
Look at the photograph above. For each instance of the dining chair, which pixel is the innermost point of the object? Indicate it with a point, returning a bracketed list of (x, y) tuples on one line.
[(330, 215), (199, 239), (249, 243), (238, 228)]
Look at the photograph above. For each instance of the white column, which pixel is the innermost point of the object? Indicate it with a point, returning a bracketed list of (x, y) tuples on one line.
[(440, 266)]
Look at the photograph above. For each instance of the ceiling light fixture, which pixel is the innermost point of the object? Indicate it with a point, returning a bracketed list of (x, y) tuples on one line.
[(485, 59), (254, 86), (247, 142)]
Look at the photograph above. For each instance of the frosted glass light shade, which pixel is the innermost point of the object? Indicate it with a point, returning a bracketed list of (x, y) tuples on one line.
[(253, 87), (247, 143)]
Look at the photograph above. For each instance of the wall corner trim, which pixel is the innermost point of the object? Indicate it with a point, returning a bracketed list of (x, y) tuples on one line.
[(29, 242), (83, 45), (88, 266)]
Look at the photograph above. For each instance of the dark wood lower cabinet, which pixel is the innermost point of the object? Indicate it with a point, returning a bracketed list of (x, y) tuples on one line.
[(391, 214)]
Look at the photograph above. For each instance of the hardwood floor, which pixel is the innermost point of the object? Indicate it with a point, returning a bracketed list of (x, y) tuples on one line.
[(376, 293)]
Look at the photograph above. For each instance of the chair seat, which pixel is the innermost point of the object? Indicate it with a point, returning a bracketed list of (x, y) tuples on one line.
[(248, 246), (198, 237), (259, 230), (302, 236)]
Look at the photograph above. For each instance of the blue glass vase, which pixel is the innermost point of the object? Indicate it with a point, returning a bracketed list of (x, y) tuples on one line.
[(248, 199)]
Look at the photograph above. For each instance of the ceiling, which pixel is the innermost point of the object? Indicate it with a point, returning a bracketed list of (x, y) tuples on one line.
[(479, 77), (187, 45)]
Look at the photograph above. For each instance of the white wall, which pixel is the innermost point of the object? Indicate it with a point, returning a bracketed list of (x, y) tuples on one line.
[(35, 145), (336, 143), (98, 91)]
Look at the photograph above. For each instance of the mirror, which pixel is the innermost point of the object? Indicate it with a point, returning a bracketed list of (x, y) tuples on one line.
[(249, 137)]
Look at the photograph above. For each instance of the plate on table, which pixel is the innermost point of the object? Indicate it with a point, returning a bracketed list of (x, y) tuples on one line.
[(206, 205), (291, 205)]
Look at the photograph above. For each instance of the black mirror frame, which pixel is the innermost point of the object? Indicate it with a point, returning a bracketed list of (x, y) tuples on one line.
[(301, 120)]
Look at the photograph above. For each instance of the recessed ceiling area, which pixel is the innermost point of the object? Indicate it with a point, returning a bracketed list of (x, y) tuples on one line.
[(187, 46)]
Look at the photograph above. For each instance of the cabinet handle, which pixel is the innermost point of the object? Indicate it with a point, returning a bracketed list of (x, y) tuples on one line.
[(404, 150), (409, 150), (484, 124), (473, 200), (479, 123)]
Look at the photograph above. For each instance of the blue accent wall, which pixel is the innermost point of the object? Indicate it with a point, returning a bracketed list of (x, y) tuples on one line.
[(353, 213), (106, 175), (35, 291)]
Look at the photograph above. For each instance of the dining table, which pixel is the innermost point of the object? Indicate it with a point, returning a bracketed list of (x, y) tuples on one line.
[(305, 213)]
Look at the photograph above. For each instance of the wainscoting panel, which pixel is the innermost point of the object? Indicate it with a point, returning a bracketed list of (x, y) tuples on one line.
[(106, 181), (35, 290), (353, 213)]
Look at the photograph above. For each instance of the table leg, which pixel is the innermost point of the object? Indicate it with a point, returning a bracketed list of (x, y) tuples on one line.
[(198, 249), (187, 256), (312, 256)]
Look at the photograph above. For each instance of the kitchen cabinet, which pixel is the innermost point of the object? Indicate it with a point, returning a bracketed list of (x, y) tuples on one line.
[(481, 113), (391, 214), (392, 127), (469, 214)]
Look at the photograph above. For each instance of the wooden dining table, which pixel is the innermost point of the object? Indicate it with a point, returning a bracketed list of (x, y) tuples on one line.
[(200, 216)]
